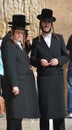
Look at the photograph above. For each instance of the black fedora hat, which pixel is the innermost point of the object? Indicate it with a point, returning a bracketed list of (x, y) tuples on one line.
[(46, 15), (18, 21)]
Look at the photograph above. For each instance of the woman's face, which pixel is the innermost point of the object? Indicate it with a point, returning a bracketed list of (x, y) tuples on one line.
[(18, 35)]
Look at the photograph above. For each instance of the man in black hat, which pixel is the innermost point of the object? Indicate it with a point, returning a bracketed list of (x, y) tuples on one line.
[(9, 33), (49, 55), (19, 84)]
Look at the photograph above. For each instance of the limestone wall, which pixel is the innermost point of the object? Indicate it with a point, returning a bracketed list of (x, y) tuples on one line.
[(63, 13), (28, 7), (31, 8)]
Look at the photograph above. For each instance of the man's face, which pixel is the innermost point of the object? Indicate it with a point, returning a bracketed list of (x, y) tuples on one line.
[(18, 34), (46, 27)]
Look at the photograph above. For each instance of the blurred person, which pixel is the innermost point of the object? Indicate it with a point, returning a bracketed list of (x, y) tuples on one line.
[(69, 77), (2, 107)]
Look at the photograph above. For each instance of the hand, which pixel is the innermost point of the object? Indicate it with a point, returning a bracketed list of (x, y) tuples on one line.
[(27, 40), (53, 62), (44, 62), (2, 106), (15, 90)]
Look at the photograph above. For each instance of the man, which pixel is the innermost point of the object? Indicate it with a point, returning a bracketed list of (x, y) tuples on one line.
[(7, 38), (19, 80), (49, 55), (69, 50)]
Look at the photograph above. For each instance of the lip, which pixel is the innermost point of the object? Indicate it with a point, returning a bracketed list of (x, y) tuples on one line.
[(46, 26)]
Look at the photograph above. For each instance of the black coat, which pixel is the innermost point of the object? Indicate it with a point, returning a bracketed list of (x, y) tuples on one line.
[(50, 79), (17, 72)]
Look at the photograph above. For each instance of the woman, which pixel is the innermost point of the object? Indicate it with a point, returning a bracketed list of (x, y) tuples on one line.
[(20, 91)]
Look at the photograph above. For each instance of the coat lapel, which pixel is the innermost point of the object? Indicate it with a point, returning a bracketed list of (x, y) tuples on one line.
[(17, 46), (50, 51), (43, 44)]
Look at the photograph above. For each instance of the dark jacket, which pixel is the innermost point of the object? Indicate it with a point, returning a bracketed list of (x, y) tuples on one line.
[(17, 72), (50, 79)]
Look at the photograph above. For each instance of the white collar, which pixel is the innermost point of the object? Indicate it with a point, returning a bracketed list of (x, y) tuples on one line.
[(48, 39), (47, 36), (19, 44)]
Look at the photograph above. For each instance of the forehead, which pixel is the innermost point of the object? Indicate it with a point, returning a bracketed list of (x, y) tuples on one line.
[(19, 30), (46, 22)]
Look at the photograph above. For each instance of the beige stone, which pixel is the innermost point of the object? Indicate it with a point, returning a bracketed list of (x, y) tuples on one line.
[(31, 8), (2, 29)]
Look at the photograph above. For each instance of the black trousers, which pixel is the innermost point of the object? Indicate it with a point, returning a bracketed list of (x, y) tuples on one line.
[(2, 85), (14, 124), (58, 124)]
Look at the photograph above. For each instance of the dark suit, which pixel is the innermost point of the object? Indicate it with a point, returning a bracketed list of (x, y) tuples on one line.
[(50, 79), (17, 72)]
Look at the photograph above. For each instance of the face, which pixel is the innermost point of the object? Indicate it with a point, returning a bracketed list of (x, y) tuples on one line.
[(18, 35), (46, 27)]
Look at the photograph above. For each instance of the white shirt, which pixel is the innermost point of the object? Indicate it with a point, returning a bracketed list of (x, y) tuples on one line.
[(19, 44), (48, 39)]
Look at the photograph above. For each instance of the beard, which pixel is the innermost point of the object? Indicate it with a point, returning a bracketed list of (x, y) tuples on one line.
[(41, 27), (46, 31)]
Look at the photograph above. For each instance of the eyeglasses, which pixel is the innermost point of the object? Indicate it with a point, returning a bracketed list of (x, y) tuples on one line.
[(20, 32)]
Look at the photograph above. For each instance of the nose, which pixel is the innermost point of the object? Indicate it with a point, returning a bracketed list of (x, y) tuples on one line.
[(46, 22)]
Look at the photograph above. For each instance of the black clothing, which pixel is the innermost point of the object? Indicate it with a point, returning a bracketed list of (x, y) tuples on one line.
[(1, 85), (50, 79), (17, 72), (69, 47), (14, 124), (28, 47), (58, 124)]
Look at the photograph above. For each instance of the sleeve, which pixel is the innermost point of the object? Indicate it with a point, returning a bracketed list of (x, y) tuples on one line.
[(69, 44), (9, 61), (35, 61), (64, 56), (28, 47)]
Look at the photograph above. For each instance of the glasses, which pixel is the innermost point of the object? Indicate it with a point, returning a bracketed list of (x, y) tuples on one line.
[(20, 32)]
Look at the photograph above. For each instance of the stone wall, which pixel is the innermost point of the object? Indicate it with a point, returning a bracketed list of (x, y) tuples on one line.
[(31, 8), (28, 7), (63, 13)]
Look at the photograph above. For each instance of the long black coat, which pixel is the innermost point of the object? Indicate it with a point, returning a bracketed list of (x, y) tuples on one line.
[(17, 72), (50, 79)]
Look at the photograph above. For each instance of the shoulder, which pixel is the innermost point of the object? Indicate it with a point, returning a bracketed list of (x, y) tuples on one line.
[(70, 37), (35, 41), (58, 37), (56, 34), (9, 45), (36, 38)]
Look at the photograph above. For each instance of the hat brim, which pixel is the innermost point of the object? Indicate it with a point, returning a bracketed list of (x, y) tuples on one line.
[(52, 19), (16, 27), (11, 23)]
